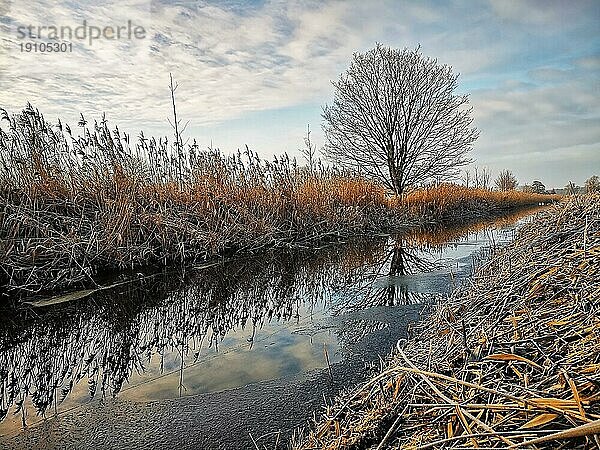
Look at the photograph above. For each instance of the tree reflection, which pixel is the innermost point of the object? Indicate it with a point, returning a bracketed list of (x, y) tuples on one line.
[(383, 282)]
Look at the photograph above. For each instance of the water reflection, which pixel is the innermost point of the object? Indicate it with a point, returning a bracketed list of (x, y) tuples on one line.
[(390, 280), (219, 327), (158, 322)]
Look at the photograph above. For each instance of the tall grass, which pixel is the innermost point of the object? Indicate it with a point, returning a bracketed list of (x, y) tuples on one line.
[(75, 204), (452, 202)]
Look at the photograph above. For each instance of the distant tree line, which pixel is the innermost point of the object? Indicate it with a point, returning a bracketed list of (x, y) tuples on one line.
[(506, 181)]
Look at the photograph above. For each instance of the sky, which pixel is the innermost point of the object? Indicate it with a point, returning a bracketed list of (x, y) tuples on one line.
[(257, 73)]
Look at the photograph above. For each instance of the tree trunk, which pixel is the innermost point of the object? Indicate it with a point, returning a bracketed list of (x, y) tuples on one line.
[(395, 179)]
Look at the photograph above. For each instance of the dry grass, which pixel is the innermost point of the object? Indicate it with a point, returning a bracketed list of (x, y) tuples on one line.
[(511, 360), (448, 201), (72, 206)]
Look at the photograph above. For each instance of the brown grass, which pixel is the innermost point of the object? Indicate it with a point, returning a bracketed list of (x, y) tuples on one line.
[(73, 206), (450, 200)]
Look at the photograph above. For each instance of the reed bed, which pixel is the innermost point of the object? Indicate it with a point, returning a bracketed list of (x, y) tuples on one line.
[(511, 360), (448, 202), (72, 207), (76, 205)]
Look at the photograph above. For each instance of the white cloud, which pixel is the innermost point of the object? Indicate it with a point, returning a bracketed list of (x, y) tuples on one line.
[(538, 65), (227, 64), (532, 130), (543, 13)]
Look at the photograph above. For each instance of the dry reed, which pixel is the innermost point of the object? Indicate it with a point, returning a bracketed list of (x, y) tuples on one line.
[(450, 201), (74, 206)]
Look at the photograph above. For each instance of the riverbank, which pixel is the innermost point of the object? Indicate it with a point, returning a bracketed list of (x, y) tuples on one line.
[(270, 316), (511, 360), (76, 207)]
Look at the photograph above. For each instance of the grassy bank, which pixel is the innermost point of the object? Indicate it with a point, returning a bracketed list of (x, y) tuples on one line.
[(450, 202), (511, 360), (74, 205)]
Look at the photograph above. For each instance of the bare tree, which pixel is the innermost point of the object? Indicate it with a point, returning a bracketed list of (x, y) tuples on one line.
[(592, 184), (506, 181), (395, 118), (467, 178), (482, 177)]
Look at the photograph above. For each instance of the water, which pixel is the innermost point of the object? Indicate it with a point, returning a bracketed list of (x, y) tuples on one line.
[(203, 358)]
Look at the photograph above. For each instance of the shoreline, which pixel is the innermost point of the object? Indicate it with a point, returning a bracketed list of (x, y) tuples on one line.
[(107, 279), (511, 357)]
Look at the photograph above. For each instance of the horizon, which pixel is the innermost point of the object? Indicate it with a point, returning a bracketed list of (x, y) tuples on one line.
[(257, 73)]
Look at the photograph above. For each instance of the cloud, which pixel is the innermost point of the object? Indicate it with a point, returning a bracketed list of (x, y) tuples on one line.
[(532, 68), (226, 63), (533, 130), (544, 13), (549, 74), (589, 62)]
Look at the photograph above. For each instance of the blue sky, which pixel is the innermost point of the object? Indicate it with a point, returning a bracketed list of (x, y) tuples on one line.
[(257, 73)]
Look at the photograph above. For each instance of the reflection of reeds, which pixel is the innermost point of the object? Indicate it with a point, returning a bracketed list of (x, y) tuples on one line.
[(439, 236), (512, 360), (416, 251), (113, 334)]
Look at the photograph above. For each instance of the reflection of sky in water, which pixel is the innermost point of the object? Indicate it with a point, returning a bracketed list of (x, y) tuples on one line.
[(198, 336), (282, 354), (282, 349)]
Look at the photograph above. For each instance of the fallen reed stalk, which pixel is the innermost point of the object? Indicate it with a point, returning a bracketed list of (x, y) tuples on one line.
[(512, 359), (75, 206)]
